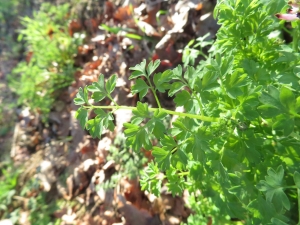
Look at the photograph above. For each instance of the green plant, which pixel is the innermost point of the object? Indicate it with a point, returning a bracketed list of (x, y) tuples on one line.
[(14, 198), (39, 205), (8, 189), (50, 51), (200, 204), (129, 162), (238, 139), (193, 50), (41, 210), (8, 11)]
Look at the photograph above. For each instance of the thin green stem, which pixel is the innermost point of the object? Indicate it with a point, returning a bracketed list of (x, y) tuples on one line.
[(154, 93), (183, 173), (199, 117), (200, 104), (155, 96), (174, 150), (112, 100)]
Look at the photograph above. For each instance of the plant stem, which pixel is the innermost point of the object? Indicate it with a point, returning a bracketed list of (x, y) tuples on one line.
[(154, 93), (183, 173), (200, 104), (199, 117), (112, 100), (156, 98)]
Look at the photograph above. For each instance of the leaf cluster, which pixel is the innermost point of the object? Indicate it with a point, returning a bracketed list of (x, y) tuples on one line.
[(238, 138)]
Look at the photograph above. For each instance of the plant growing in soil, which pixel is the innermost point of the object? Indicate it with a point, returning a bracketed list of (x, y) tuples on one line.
[(238, 139), (49, 64)]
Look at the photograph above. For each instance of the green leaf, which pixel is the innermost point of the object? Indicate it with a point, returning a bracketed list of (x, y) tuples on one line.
[(160, 114), (175, 87), (159, 129), (149, 180), (284, 123), (106, 118), (276, 221), (208, 82), (297, 179), (137, 137), (152, 66), (138, 70), (198, 146), (287, 98), (161, 80), (136, 120), (176, 183), (111, 84), (177, 72), (98, 86), (162, 157), (140, 87), (82, 116), (182, 98), (144, 137), (234, 82), (134, 36), (98, 96), (113, 30), (156, 125), (234, 92), (236, 79), (280, 198), (190, 75), (226, 65), (268, 111), (273, 189), (271, 99), (182, 157), (174, 188), (168, 142), (79, 99), (262, 209), (95, 127), (102, 121), (141, 110), (136, 74), (160, 153), (131, 130)]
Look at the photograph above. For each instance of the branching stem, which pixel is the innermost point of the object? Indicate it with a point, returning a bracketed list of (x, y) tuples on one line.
[(199, 117), (112, 100)]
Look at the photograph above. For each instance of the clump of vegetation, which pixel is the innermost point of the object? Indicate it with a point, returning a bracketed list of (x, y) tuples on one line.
[(238, 140), (28, 197), (50, 58), (8, 189)]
